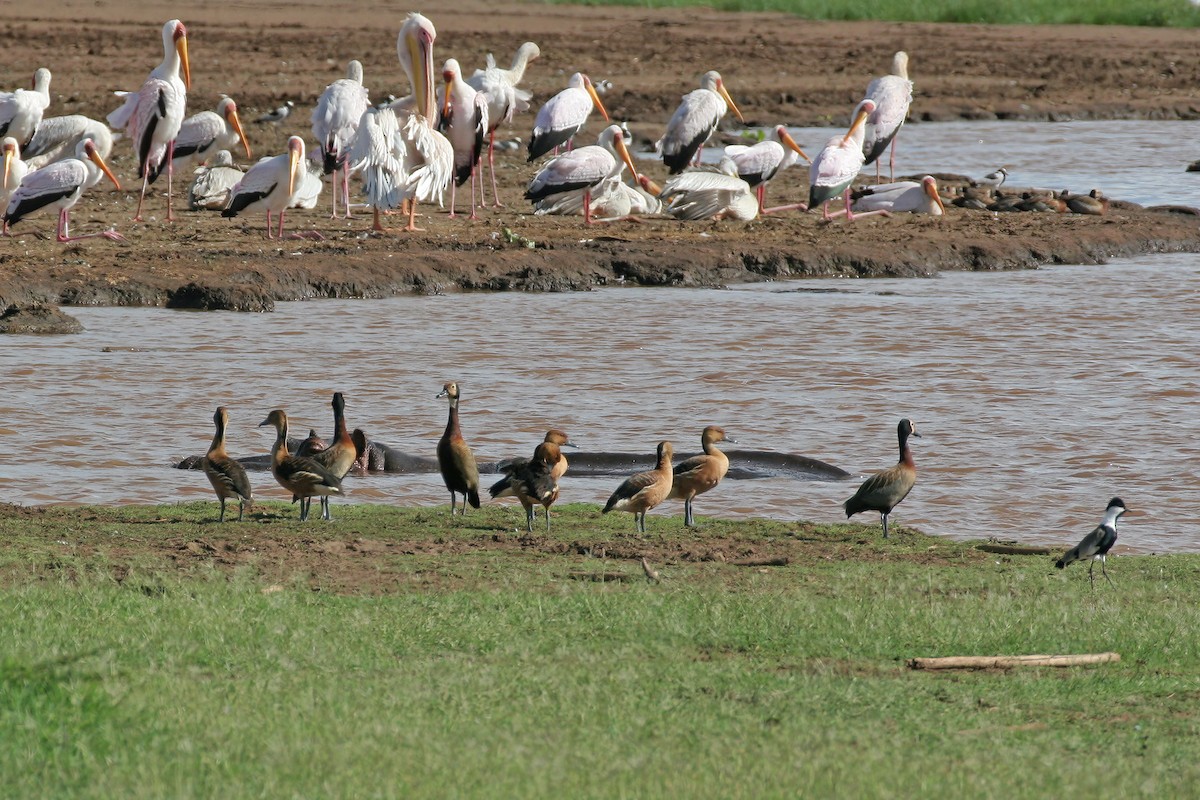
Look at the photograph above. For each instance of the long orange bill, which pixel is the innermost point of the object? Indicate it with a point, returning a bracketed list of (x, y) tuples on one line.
[(94, 155), (932, 190), (587, 84), (8, 159), (446, 100), (789, 142), (181, 49), (293, 160), (237, 126), (859, 119), (623, 151), (725, 93)]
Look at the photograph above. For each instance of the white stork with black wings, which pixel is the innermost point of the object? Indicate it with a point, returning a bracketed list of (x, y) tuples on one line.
[(694, 121), (758, 164), (465, 122), (59, 186), (57, 138), (335, 123), (270, 185), (153, 114), (208, 132), (583, 169), (892, 95)]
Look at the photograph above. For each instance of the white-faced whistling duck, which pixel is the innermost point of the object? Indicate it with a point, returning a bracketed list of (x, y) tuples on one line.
[(641, 492), (455, 459), (228, 477), (884, 490), (503, 487), (338, 457), (698, 474), (1097, 543), (535, 480), (303, 477)]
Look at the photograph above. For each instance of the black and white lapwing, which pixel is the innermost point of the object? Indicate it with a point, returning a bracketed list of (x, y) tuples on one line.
[(1097, 543)]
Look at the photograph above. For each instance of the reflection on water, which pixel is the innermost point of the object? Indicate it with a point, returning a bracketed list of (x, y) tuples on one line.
[(1040, 394)]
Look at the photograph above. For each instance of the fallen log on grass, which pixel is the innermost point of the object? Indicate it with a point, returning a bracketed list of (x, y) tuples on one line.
[(1008, 662), (1013, 549)]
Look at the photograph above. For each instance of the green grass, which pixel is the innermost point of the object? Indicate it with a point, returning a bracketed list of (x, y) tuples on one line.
[(483, 670), (1153, 13)]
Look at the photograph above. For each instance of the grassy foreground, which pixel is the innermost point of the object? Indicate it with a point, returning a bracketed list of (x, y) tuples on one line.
[(1153, 13), (148, 652)]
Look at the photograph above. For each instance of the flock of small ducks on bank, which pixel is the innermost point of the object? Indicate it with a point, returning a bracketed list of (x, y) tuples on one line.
[(534, 481)]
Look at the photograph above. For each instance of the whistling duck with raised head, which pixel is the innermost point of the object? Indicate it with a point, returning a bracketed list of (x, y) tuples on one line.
[(698, 474), (535, 480), (884, 490), (303, 477), (227, 476), (455, 459), (641, 492), (338, 457)]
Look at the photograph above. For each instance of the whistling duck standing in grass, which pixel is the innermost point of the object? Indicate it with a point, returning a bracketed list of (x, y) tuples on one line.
[(641, 492), (1097, 543), (338, 457), (884, 490), (535, 480), (228, 477), (303, 477), (455, 459), (698, 474)]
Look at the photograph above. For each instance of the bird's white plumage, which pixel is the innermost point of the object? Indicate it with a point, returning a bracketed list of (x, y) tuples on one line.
[(840, 161), (207, 132), (210, 190), (58, 186), (153, 114), (57, 138), (274, 179), (901, 197), (308, 189), (694, 121), (708, 194), (583, 166), (892, 95), (12, 170), (468, 121), (21, 111), (611, 199), (339, 110), (500, 86), (379, 154), (564, 114)]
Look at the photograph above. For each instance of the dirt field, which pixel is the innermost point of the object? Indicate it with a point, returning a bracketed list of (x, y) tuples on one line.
[(779, 69)]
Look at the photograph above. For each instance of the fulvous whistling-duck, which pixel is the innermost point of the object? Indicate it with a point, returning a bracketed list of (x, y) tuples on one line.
[(1097, 543), (641, 492), (698, 474), (338, 457), (303, 477), (1094, 202), (228, 477), (455, 459), (884, 490)]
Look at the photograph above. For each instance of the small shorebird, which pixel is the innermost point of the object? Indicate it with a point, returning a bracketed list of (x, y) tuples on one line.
[(1097, 543), (277, 115), (995, 179)]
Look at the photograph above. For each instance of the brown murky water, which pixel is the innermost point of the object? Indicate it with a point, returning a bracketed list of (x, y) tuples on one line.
[(1040, 394)]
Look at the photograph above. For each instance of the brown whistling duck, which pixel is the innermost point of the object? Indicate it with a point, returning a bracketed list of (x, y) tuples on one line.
[(310, 445), (338, 457), (303, 477), (641, 492), (1094, 202), (698, 474), (503, 487), (884, 490), (455, 459), (228, 477)]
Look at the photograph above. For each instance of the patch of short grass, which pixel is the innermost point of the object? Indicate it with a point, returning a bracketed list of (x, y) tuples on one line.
[(124, 673)]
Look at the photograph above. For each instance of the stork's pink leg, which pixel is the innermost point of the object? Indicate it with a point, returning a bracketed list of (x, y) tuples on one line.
[(761, 191), (280, 235), (453, 188), (892, 159), (587, 207), (475, 174), (170, 174), (492, 168), (270, 231), (142, 197), (337, 189), (346, 189), (64, 226)]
